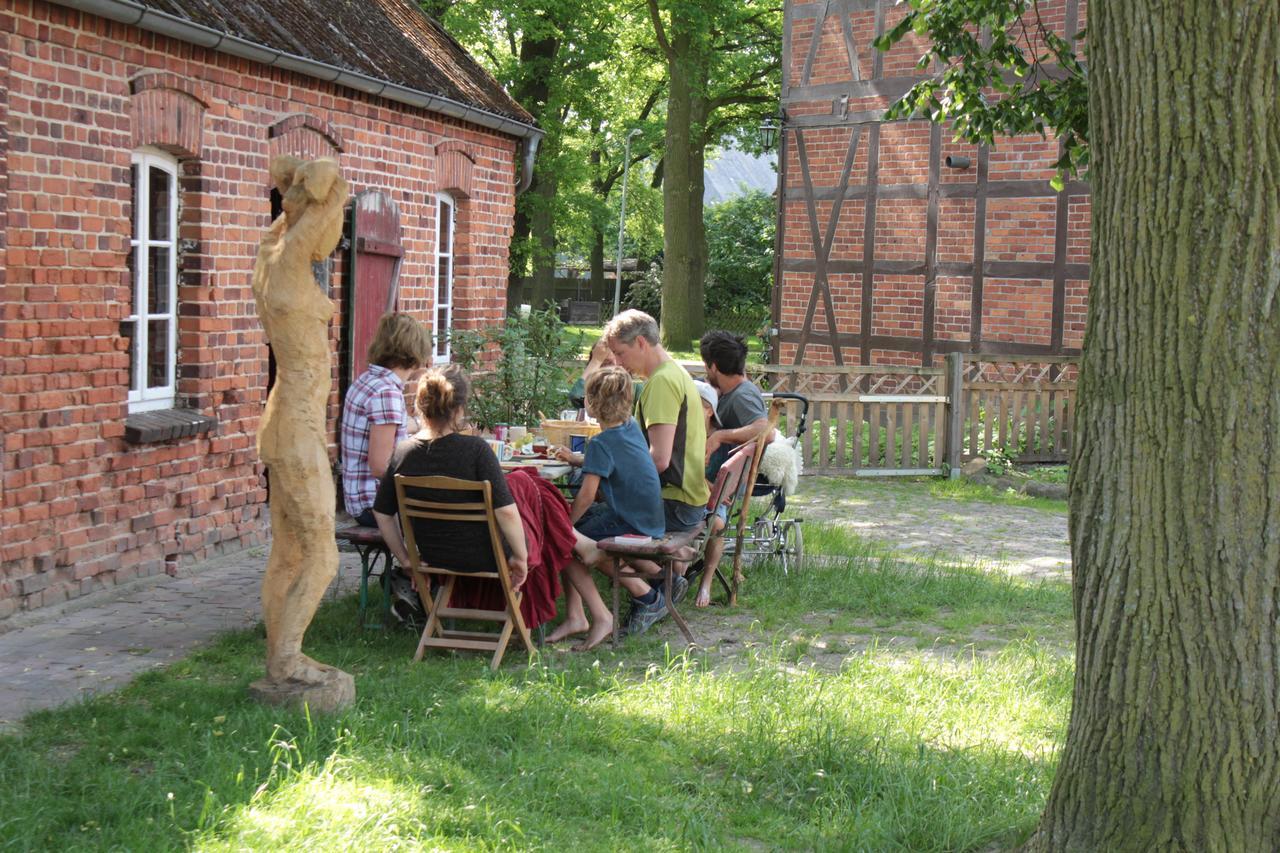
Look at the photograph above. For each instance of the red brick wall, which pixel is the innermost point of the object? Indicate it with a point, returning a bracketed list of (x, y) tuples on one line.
[(995, 274), (81, 507)]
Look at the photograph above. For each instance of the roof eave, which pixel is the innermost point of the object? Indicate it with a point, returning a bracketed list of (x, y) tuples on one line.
[(135, 14)]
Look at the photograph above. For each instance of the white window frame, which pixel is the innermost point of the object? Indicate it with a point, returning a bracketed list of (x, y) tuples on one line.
[(446, 205), (142, 398)]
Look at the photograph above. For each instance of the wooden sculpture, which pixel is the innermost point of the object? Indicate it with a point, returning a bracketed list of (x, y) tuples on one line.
[(295, 313)]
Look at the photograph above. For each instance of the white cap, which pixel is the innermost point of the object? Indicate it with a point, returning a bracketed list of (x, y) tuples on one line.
[(711, 395)]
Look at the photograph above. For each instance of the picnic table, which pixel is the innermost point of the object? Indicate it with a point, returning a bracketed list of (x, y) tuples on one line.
[(547, 469)]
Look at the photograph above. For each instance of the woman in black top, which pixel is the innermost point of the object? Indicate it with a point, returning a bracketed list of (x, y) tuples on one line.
[(439, 449)]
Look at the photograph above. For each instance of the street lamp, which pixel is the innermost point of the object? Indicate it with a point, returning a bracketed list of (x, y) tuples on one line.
[(769, 133), (622, 219)]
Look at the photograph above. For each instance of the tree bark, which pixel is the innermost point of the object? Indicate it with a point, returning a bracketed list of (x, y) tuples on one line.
[(684, 237), (542, 225), (1174, 737), (534, 214)]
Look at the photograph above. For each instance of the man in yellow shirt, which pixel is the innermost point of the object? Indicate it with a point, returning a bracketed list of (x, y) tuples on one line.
[(669, 412)]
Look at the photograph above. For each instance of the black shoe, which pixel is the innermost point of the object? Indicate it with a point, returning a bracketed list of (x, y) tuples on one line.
[(643, 616)]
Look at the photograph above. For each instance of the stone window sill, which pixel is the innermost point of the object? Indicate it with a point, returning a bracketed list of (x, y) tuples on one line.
[(165, 425)]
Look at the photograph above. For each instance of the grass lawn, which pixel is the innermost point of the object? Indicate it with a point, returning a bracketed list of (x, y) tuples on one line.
[(865, 703)]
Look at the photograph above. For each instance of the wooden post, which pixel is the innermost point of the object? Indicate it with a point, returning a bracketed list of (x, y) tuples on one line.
[(955, 412)]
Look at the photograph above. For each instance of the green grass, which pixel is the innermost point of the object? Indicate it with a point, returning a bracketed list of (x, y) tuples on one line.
[(918, 732), (962, 489)]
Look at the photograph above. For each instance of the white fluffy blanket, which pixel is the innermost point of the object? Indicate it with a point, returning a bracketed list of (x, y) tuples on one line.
[(782, 463)]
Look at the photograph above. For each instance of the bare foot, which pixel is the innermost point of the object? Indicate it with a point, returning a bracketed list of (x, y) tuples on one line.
[(703, 599), (567, 628), (599, 631)]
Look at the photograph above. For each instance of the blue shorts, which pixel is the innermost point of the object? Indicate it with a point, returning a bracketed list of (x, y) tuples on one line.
[(601, 522), (682, 516)]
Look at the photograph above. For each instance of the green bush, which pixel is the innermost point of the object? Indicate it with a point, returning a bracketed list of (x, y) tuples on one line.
[(646, 294), (740, 237), (534, 366)]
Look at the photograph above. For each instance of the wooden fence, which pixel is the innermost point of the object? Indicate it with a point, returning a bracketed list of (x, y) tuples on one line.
[(877, 421)]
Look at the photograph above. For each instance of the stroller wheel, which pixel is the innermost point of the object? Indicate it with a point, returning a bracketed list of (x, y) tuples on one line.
[(792, 551)]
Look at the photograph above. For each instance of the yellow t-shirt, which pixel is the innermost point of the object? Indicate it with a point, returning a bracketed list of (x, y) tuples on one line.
[(670, 397)]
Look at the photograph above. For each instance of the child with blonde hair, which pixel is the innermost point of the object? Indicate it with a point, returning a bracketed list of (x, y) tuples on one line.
[(617, 467)]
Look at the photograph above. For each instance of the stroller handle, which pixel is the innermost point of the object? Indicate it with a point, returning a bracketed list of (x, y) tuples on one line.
[(804, 407)]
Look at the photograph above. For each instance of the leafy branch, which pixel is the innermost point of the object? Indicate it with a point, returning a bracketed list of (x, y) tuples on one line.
[(1007, 76)]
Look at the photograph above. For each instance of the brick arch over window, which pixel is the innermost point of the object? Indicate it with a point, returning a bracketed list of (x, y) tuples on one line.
[(305, 137), (167, 112), (455, 168)]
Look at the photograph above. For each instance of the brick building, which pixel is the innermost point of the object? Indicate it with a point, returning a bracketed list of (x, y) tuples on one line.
[(135, 137), (898, 245)]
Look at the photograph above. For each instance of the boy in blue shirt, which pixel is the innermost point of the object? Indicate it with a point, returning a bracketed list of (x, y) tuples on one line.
[(618, 467)]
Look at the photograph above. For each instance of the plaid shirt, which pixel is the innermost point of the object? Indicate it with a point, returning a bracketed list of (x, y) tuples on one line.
[(377, 397)]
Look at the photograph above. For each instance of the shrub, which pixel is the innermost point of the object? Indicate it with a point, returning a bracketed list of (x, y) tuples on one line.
[(740, 237), (527, 373), (646, 294)]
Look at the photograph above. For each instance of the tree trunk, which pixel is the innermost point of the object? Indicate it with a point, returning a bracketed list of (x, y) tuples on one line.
[(684, 238), (543, 229), (534, 215), (1174, 737), (597, 262), (519, 254)]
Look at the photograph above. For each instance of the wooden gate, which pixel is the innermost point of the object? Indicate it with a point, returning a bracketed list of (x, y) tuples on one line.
[(1021, 406), (373, 273)]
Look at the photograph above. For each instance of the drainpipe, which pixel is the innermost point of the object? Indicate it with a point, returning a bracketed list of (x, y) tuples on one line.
[(135, 14), (530, 148)]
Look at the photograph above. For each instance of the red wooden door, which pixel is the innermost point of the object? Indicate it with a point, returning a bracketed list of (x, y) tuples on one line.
[(375, 271)]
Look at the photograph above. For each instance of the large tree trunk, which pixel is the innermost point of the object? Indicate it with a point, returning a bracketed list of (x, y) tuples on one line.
[(534, 214), (519, 256), (542, 226), (684, 238), (597, 261), (1174, 738)]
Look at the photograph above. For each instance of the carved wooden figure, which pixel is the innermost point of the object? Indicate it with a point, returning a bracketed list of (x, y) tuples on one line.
[(295, 313)]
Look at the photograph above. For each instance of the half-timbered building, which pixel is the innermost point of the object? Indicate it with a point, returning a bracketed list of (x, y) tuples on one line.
[(897, 244)]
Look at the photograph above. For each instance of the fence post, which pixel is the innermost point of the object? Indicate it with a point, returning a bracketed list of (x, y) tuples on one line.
[(955, 412)]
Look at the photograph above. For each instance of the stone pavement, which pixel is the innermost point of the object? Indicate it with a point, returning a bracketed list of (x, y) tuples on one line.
[(128, 630)]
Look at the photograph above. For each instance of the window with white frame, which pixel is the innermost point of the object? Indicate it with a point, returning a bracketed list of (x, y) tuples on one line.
[(443, 321), (153, 262)]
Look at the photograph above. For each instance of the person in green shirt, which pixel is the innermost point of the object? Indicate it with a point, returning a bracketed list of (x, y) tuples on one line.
[(669, 411)]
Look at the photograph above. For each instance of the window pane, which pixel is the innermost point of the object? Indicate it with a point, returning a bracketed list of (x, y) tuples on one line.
[(158, 280), (157, 353), (160, 198), (444, 269), (442, 331), (128, 328), (445, 216)]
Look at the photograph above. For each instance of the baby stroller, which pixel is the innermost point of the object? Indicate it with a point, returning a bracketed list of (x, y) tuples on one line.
[(769, 534)]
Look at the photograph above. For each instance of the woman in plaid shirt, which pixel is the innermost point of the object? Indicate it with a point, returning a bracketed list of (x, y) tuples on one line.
[(373, 414)]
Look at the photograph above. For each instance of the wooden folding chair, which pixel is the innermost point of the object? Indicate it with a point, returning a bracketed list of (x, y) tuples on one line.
[(744, 505), (477, 511)]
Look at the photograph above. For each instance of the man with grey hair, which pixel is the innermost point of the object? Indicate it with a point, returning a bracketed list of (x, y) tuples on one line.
[(669, 412)]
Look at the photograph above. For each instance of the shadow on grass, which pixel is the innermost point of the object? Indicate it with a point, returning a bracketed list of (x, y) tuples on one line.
[(570, 752)]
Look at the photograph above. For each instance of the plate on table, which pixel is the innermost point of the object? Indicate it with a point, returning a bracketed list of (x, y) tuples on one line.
[(530, 457)]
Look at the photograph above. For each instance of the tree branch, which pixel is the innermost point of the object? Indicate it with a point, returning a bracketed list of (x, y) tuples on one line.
[(659, 32)]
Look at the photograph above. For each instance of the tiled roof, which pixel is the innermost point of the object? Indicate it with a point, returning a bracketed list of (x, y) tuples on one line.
[(390, 40)]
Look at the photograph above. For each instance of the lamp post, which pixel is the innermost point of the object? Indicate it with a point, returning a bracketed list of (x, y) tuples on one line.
[(622, 219)]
